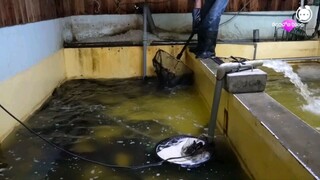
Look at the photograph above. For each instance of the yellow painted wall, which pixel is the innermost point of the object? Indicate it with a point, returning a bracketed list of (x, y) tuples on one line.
[(318, 48), (111, 62), (25, 92), (236, 50), (260, 153), (287, 49)]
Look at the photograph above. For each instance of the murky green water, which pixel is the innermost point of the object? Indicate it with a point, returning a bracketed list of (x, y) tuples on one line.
[(115, 122), (285, 92)]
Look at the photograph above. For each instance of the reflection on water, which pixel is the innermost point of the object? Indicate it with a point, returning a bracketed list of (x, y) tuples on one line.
[(299, 90), (115, 122)]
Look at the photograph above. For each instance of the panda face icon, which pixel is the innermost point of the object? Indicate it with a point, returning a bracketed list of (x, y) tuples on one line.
[(304, 15)]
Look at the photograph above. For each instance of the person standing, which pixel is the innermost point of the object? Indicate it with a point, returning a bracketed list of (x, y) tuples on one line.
[(206, 19)]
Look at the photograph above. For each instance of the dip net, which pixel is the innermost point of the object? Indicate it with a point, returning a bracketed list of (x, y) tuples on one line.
[(171, 71)]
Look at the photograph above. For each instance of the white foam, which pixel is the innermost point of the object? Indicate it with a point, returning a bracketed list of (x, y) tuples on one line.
[(175, 149), (313, 102)]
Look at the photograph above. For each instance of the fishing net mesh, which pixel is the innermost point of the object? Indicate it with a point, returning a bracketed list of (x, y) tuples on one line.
[(171, 71)]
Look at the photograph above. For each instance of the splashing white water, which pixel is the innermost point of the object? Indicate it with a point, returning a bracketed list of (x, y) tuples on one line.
[(313, 103)]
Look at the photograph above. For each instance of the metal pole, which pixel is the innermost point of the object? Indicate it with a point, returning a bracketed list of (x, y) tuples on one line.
[(214, 109), (145, 40), (302, 3)]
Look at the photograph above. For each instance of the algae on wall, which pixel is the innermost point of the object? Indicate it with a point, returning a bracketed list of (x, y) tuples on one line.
[(2, 160)]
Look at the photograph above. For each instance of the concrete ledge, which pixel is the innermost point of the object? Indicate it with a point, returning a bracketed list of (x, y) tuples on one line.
[(297, 137), (269, 140)]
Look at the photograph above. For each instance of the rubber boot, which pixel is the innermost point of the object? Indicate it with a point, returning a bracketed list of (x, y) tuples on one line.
[(196, 19), (207, 50), (201, 40)]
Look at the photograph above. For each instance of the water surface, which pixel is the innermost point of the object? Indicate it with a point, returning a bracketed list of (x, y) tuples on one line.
[(297, 87), (116, 122)]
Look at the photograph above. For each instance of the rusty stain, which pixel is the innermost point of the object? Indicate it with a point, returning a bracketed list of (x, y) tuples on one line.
[(81, 60), (95, 60)]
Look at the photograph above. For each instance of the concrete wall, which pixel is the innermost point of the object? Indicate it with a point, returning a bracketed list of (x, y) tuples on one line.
[(266, 147), (31, 66), (240, 26), (261, 153), (97, 26), (111, 62)]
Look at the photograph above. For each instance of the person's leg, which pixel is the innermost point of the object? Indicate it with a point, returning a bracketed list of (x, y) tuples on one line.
[(209, 27), (196, 19), (196, 14), (201, 31)]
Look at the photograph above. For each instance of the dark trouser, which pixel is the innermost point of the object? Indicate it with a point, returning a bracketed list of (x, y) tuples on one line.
[(208, 30), (211, 14)]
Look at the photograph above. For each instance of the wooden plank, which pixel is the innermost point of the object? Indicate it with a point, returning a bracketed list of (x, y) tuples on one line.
[(155, 6), (53, 7), (29, 11), (73, 7), (67, 8), (233, 6), (173, 6), (275, 5), (2, 14), (48, 8), (292, 5), (182, 6), (24, 11), (36, 9), (254, 5), (79, 8), (6, 13), (128, 6), (42, 8), (10, 13), (103, 7), (17, 16), (110, 7), (125, 6), (190, 5), (89, 7), (263, 5), (97, 6), (59, 8)]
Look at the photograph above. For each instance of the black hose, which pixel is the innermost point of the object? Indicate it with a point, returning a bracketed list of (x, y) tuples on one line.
[(86, 159)]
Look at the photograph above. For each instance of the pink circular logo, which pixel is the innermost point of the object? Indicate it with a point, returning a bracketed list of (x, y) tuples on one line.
[(289, 24)]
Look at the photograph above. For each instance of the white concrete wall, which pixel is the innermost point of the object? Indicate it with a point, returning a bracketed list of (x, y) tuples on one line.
[(23, 46), (31, 66), (97, 26), (242, 25), (239, 28)]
